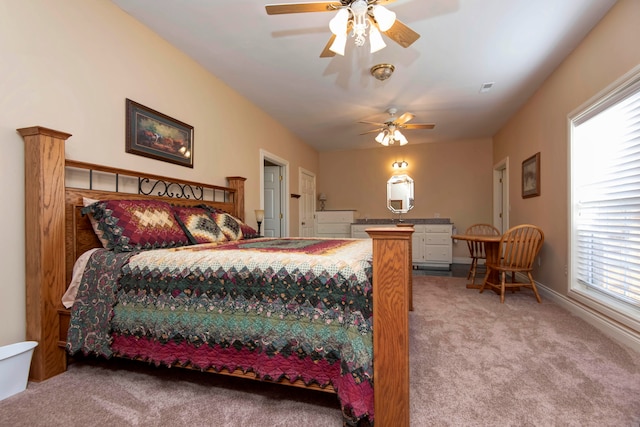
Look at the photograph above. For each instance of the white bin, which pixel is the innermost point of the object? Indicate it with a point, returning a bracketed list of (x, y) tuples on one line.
[(15, 361)]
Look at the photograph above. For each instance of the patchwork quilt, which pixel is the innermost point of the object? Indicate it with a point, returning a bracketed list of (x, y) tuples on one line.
[(295, 308)]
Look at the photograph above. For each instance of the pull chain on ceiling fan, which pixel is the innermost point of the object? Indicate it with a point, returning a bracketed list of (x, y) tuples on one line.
[(389, 132), (354, 16)]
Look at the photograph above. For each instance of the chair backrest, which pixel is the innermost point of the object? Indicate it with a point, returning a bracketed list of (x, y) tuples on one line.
[(520, 246), (476, 249)]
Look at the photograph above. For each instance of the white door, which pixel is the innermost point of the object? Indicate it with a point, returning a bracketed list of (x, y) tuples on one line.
[(272, 202), (307, 203)]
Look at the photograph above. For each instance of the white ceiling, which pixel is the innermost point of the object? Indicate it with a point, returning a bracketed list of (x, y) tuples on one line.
[(273, 60)]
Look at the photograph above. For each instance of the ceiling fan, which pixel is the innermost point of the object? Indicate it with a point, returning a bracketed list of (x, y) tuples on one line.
[(354, 16), (389, 131)]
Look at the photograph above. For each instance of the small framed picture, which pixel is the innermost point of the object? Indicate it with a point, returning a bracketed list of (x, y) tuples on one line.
[(531, 176), (158, 136)]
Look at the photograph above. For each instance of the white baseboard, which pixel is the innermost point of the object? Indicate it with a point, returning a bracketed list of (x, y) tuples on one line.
[(606, 325)]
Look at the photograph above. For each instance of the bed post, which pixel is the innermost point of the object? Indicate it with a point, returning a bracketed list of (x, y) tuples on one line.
[(237, 182), (391, 278), (44, 244)]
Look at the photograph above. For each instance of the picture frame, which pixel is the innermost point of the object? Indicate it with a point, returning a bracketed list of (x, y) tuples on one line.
[(531, 176), (152, 134)]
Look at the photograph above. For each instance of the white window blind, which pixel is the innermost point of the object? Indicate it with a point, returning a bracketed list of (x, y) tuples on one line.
[(605, 176)]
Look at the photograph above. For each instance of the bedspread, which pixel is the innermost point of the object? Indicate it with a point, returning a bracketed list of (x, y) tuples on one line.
[(298, 308)]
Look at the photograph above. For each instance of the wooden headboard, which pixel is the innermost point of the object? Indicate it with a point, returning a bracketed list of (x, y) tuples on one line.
[(79, 234)]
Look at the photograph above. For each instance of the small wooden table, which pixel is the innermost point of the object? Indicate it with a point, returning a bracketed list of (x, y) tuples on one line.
[(491, 249)]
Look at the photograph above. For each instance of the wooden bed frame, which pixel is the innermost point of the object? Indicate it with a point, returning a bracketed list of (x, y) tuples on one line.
[(56, 234)]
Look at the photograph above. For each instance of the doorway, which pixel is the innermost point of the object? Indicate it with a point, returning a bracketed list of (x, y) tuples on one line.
[(274, 186)]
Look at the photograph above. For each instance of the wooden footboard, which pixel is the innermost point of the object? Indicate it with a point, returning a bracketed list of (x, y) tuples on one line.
[(52, 245)]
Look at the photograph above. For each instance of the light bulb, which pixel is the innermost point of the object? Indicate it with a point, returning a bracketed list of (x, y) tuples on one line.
[(380, 137)]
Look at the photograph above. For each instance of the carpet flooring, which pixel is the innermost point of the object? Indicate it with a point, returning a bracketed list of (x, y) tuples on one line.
[(474, 362)]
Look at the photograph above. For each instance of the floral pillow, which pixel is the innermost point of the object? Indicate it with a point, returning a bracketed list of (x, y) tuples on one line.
[(129, 225), (198, 225)]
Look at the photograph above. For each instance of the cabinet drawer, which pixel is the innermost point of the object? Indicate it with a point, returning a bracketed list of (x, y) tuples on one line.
[(438, 238), (334, 229), (335, 216), (437, 228), (438, 253)]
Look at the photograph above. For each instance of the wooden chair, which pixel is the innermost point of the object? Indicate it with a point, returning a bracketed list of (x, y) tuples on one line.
[(519, 247), (476, 249)]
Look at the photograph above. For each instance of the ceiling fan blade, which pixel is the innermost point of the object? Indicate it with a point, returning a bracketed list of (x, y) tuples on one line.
[(402, 34), (372, 131), (319, 6), (372, 123), (404, 118), (419, 126), (326, 53)]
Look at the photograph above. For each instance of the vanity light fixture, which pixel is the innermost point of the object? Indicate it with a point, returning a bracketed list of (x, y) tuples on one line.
[(400, 165)]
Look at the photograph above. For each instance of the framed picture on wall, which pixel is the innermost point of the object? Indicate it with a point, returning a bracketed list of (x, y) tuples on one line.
[(158, 136), (531, 176)]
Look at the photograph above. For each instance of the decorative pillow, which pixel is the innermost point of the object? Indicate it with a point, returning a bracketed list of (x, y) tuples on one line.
[(130, 225), (248, 232), (198, 224), (229, 225), (94, 222)]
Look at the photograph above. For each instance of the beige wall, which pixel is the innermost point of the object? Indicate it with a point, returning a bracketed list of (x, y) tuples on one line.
[(453, 179), (608, 52), (69, 65)]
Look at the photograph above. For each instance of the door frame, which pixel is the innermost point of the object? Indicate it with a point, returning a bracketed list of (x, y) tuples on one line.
[(303, 171), (284, 188), (501, 204)]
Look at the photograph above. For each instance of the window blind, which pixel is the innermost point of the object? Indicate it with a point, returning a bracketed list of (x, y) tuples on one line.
[(606, 191)]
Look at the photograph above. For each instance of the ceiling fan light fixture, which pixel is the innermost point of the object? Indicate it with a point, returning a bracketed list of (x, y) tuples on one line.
[(384, 17), (375, 39), (339, 44), (338, 24), (400, 137)]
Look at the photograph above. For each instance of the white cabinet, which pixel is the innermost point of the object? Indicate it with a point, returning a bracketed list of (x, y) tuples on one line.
[(334, 223), (431, 243), (358, 230)]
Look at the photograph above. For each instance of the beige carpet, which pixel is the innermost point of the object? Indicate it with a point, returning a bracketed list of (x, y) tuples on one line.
[(474, 362)]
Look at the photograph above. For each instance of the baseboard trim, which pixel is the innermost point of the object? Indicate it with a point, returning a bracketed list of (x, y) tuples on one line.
[(606, 325)]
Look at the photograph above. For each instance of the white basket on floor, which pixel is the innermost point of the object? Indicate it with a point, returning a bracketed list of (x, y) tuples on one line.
[(15, 361)]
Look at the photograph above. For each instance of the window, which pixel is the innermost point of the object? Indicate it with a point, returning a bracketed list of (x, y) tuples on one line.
[(605, 202)]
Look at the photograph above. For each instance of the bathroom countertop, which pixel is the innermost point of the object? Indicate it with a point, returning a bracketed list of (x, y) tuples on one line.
[(392, 221)]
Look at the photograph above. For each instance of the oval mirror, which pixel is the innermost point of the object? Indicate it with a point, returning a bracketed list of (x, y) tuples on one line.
[(400, 194)]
